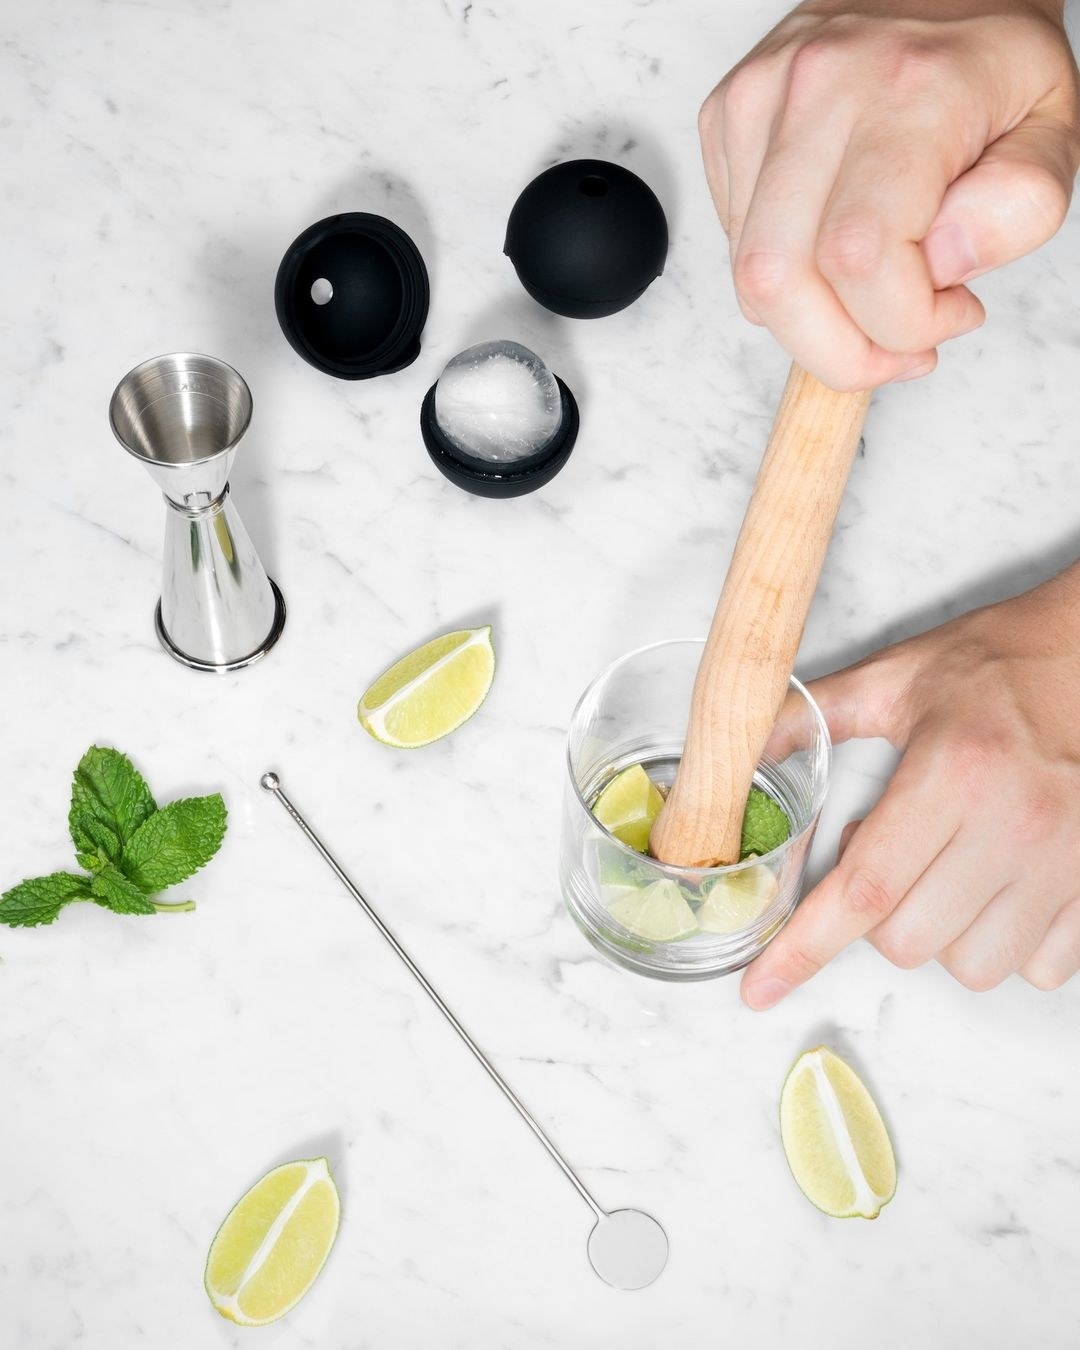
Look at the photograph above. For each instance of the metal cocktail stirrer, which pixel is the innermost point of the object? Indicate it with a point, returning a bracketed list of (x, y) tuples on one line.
[(627, 1249)]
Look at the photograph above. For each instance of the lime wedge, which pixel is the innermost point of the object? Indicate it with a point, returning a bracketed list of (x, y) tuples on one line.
[(617, 867), (657, 912), (835, 1140), (628, 806), (273, 1243), (612, 895), (734, 901), (430, 692)]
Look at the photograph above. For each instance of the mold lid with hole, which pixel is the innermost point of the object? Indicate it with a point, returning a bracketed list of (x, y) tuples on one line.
[(586, 238), (352, 296)]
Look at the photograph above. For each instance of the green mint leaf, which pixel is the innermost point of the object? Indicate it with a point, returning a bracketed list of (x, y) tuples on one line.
[(109, 801), (111, 889), (41, 899), (765, 826), (95, 843), (174, 842)]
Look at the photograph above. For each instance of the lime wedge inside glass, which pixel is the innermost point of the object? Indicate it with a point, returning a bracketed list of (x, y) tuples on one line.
[(628, 806), (657, 912), (737, 899)]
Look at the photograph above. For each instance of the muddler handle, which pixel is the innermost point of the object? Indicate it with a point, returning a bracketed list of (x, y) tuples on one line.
[(743, 676)]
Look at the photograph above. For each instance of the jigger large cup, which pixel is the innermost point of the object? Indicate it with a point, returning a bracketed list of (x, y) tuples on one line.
[(181, 416)]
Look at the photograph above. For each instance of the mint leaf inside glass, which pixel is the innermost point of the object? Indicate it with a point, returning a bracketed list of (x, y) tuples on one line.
[(765, 825)]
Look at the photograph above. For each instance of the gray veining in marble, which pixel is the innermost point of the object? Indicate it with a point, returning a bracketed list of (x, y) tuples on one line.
[(156, 159)]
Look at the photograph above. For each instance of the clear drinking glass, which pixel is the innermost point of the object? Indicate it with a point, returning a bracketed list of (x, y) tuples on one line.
[(636, 713)]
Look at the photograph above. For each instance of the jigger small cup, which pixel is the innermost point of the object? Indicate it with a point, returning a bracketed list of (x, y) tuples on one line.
[(181, 416)]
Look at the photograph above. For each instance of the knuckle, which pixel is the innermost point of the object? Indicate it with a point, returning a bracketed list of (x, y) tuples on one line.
[(738, 97), (848, 379), (914, 69), (1046, 975), (710, 115), (901, 949), (763, 276), (800, 963), (982, 965), (868, 897), (748, 314), (1047, 196), (974, 971), (850, 249), (813, 69), (1033, 819), (889, 366)]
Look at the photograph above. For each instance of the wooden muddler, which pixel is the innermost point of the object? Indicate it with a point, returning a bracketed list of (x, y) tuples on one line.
[(743, 676)]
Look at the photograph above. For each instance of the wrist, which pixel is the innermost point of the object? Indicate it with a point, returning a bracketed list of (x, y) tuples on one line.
[(1045, 618), (1063, 594)]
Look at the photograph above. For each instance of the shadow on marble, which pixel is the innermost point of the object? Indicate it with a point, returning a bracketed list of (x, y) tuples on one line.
[(328, 1144), (999, 583), (473, 618), (236, 274)]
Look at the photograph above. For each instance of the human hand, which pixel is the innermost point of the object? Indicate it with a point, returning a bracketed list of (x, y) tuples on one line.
[(972, 854), (869, 157)]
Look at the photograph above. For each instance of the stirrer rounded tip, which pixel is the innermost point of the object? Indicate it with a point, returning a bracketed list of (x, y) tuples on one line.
[(270, 782)]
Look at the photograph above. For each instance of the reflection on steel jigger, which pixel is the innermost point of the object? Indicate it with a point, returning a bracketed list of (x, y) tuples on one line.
[(181, 416)]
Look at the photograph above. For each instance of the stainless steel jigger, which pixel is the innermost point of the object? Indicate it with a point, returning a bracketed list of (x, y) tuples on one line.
[(181, 416)]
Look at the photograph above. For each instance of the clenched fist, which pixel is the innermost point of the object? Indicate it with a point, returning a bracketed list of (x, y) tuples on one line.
[(870, 157)]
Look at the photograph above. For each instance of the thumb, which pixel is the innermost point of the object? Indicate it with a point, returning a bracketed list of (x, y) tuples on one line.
[(1009, 202), (847, 834), (861, 700)]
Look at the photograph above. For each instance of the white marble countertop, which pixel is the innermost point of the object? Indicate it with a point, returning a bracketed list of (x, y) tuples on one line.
[(157, 158)]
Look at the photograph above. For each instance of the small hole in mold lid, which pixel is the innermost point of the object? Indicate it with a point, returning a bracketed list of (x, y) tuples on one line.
[(592, 185), (322, 292)]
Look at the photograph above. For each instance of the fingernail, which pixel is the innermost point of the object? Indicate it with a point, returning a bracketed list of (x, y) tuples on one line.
[(767, 993), (913, 372), (949, 255)]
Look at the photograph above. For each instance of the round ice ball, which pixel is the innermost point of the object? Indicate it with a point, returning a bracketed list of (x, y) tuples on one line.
[(497, 401)]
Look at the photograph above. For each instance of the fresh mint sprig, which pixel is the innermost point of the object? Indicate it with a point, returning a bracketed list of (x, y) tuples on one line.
[(131, 848), (109, 801), (41, 899)]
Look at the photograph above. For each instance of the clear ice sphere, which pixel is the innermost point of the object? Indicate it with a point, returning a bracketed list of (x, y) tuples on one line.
[(498, 401)]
